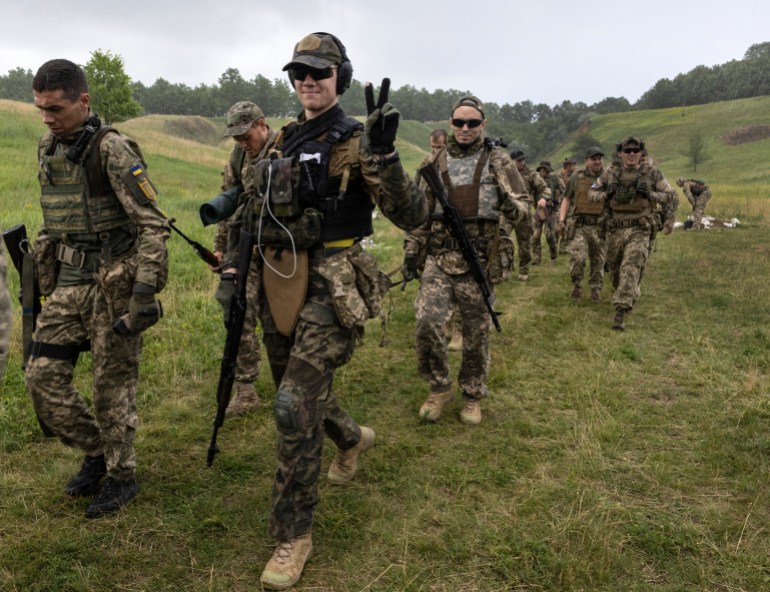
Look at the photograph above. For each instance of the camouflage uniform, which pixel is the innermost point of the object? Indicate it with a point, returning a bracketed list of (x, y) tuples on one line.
[(631, 204), (698, 194), (447, 280), (536, 187), (249, 361), (552, 195), (109, 240), (5, 313), (585, 232), (331, 320)]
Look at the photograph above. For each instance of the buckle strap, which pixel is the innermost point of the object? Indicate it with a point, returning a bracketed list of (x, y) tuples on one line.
[(71, 256)]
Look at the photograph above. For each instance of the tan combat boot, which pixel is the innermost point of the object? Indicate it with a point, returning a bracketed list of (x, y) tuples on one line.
[(285, 566), (434, 404), (345, 464), (471, 412), (245, 400), (456, 343), (618, 324)]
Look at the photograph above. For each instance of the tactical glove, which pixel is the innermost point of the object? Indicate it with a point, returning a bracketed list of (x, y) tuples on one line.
[(143, 310), (409, 270), (225, 292), (561, 229), (612, 189), (382, 120)]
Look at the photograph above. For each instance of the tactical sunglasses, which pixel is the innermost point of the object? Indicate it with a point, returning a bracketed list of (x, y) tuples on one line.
[(301, 72), (471, 123), (631, 150)]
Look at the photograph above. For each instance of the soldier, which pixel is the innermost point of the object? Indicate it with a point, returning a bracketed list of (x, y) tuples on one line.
[(5, 313), (535, 187), (546, 213), (327, 173), (698, 194), (630, 192), (585, 230), (479, 180), (567, 168), (101, 259), (253, 138), (437, 139)]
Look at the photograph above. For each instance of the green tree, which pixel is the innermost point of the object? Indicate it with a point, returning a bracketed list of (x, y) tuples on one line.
[(696, 150), (110, 87), (17, 85)]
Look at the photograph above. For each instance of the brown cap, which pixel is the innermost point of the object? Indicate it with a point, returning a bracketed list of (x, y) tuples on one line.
[(240, 117), (469, 101), (593, 151)]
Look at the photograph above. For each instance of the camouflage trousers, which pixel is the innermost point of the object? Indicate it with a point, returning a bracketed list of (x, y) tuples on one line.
[(70, 316), (439, 294), (627, 252), (249, 361), (523, 230), (538, 226), (306, 409), (699, 208), (5, 314), (587, 245)]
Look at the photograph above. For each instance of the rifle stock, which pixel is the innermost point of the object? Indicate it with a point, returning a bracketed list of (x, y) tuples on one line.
[(235, 323), (457, 228)]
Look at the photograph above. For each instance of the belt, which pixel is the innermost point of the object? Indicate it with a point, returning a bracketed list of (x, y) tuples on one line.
[(75, 258), (586, 220), (624, 223), (330, 248)]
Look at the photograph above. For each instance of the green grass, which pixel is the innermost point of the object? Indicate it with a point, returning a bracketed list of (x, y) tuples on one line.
[(606, 461)]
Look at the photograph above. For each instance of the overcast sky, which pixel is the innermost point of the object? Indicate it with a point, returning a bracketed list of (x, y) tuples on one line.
[(504, 51)]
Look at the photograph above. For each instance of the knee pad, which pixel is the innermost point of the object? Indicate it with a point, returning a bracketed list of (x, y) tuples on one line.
[(286, 412)]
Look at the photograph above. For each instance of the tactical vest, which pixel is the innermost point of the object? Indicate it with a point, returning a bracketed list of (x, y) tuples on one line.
[(77, 200), (470, 186), (343, 202), (627, 200), (583, 205)]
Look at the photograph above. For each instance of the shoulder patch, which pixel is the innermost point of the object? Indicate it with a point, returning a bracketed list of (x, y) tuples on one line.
[(139, 185)]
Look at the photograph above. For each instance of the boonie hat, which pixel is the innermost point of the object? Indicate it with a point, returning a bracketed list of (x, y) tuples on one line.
[(545, 164), (240, 117), (518, 155), (317, 50)]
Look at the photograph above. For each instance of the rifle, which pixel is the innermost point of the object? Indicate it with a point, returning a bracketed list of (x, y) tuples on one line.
[(20, 253), (235, 321), (202, 251), (457, 228)]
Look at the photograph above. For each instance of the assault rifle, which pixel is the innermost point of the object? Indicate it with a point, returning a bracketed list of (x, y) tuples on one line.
[(457, 228), (20, 253), (235, 320)]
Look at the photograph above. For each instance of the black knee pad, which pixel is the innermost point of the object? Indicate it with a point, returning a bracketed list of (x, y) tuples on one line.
[(286, 413)]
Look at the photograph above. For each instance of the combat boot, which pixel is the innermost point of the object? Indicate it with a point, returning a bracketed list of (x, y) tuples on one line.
[(456, 343), (285, 566), (523, 277), (434, 404), (345, 464), (113, 495), (618, 324), (577, 292), (86, 482), (596, 295), (246, 399), (471, 412)]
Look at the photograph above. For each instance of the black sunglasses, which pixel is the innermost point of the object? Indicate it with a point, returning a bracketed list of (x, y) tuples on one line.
[(471, 123), (631, 150), (301, 72)]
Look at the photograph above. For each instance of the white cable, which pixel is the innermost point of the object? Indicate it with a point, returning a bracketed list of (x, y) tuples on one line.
[(266, 204)]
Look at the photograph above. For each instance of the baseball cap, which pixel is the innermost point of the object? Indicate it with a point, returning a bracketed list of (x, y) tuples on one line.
[(469, 101), (631, 140), (518, 155), (240, 117), (593, 151), (317, 50)]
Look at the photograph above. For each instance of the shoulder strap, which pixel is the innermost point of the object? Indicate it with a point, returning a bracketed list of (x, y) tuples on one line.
[(92, 163)]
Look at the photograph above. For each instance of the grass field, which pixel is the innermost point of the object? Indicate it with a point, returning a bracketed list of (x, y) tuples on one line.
[(606, 462)]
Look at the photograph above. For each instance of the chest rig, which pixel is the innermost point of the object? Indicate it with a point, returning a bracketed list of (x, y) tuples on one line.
[(77, 199), (583, 205), (627, 200), (470, 186)]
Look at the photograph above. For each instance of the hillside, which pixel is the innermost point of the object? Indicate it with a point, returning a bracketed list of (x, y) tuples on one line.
[(606, 461)]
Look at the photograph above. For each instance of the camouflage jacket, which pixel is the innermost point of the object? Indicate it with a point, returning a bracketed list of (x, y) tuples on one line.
[(659, 193)]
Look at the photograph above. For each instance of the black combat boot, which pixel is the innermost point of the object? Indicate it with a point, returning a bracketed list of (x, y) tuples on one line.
[(86, 482), (113, 495)]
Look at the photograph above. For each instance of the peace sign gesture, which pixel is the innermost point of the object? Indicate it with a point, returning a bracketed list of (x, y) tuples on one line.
[(382, 121)]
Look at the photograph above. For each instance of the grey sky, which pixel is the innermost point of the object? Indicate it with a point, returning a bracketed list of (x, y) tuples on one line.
[(504, 51)]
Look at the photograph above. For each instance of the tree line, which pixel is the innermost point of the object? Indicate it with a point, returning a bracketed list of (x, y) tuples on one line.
[(536, 128)]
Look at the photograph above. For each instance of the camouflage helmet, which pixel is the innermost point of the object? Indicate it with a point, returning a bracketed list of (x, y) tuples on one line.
[(240, 117), (545, 164)]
